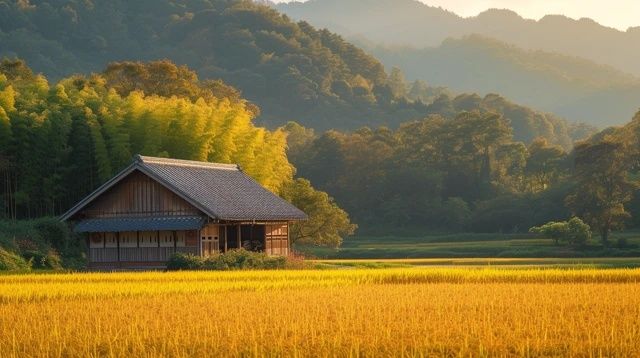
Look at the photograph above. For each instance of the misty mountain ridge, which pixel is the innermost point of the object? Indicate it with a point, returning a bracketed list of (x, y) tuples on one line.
[(416, 24), (568, 86), (475, 54)]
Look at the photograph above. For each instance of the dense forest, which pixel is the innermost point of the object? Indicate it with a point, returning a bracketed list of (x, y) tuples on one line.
[(290, 71), (469, 174), (59, 142)]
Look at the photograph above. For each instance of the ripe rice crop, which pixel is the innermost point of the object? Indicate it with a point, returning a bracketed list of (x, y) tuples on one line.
[(375, 312)]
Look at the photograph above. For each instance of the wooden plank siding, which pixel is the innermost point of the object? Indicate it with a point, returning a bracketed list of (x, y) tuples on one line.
[(277, 239), (138, 195)]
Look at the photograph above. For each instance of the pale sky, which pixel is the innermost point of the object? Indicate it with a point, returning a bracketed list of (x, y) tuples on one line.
[(619, 14)]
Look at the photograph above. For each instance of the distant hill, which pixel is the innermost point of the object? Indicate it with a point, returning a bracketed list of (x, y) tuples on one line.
[(568, 86), (413, 23), (292, 71), (576, 69)]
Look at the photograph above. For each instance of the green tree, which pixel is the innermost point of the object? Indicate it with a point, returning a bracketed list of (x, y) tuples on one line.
[(574, 232), (543, 164), (327, 224), (603, 186)]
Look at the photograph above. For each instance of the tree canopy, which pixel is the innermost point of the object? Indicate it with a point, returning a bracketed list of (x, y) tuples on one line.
[(59, 142)]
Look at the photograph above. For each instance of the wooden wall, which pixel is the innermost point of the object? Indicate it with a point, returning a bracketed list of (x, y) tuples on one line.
[(277, 239), (139, 195)]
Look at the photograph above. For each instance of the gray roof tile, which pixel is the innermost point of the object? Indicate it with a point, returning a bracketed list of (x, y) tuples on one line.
[(221, 191)]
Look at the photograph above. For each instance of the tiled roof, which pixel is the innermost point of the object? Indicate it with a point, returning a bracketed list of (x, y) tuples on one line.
[(221, 191), (140, 224)]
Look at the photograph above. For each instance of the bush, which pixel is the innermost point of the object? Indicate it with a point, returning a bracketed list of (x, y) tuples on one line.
[(48, 260), (574, 231), (12, 262), (233, 260), (180, 261)]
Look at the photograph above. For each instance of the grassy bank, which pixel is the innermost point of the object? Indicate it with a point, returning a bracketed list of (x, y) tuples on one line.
[(472, 246)]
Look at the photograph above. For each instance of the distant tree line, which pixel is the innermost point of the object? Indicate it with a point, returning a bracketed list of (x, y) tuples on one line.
[(468, 173)]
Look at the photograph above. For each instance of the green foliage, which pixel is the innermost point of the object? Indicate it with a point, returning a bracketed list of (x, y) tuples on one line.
[(232, 260), (573, 232), (12, 262), (291, 70), (180, 261), (603, 185), (465, 173), (45, 243), (66, 140), (327, 224)]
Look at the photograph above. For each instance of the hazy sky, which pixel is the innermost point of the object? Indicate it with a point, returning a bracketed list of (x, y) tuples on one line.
[(620, 14)]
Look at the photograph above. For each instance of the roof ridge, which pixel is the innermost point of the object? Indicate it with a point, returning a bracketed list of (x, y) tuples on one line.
[(184, 163)]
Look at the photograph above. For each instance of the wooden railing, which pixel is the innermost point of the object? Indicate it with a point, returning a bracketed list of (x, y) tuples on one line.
[(137, 254)]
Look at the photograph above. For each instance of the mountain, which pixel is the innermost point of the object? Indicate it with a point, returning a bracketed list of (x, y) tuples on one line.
[(575, 69), (568, 86), (291, 71), (413, 23)]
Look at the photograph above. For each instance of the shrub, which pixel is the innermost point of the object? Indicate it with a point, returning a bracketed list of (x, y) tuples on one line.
[(48, 260), (574, 231), (180, 261), (232, 260), (12, 262)]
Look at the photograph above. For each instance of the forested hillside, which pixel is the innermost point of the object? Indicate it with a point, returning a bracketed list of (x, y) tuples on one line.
[(60, 141), (544, 64), (290, 71), (416, 24), (567, 86)]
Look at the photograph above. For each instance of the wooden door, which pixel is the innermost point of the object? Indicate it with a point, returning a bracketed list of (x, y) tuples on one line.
[(210, 240)]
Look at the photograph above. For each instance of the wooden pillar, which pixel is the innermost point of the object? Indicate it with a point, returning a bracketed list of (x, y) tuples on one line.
[(138, 239), (239, 236), (175, 241), (158, 237), (288, 241), (226, 233)]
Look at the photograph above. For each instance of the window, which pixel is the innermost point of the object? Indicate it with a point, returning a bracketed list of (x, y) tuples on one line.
[(166, 238), (128, 239), (110, 240), (96, 240), (148, 239), (180, 238)]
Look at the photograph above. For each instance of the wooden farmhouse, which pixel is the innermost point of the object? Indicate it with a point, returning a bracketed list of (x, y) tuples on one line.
[(156, 207)]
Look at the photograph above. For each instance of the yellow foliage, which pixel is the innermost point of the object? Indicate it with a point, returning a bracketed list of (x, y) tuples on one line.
[(8, 99), (377, 312)]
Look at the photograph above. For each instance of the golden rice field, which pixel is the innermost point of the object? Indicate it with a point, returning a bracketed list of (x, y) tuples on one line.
[(360, 312)]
